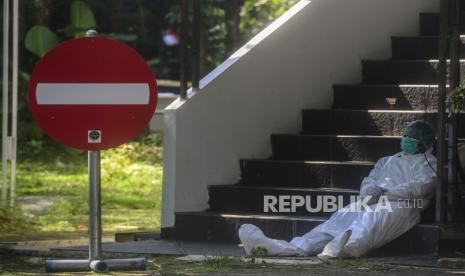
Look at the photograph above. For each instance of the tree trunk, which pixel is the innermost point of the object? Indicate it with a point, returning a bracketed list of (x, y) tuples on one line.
[(204, 65), (116, 22), (232, 14), (41, 12)]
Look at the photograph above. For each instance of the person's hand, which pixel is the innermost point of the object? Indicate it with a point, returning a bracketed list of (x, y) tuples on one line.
[(375, 192)]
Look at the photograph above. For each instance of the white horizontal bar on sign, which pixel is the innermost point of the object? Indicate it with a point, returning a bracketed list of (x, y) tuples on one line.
[(92, 93)]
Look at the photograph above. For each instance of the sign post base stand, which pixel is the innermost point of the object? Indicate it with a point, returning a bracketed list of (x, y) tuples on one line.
[(96, 266)]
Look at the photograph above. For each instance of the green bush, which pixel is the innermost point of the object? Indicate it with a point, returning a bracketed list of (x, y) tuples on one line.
[(15, 220)]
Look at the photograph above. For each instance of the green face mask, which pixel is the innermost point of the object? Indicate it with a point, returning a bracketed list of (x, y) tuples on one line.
[(408, 145)]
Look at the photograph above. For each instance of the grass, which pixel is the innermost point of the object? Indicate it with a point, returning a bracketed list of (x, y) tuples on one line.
[(131, 188)]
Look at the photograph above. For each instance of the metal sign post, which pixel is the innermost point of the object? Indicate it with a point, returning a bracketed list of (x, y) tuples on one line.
[(95, 207)]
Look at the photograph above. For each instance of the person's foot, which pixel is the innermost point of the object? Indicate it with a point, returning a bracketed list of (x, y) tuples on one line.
[(334, 248), (249, 234), (252, 237)]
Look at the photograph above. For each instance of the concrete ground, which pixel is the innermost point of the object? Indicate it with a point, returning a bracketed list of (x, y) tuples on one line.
[(36, 204), (189, 258)]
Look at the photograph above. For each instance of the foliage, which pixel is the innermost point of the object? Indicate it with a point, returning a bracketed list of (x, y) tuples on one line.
[(122, 37), (15, 220), (258, 252), (82, 18), (39, 40), (219, 263), (456, 99), (255, 15)]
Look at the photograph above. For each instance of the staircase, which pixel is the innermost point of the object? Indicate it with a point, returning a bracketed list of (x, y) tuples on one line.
[(334, 151)]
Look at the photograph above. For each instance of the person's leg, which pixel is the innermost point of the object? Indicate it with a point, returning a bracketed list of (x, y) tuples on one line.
[(376, 229), (252, 237), (372, 230), (336, 246), (313, 242)]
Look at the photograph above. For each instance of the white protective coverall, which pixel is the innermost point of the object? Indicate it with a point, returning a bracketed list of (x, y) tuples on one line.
[(352, 234)]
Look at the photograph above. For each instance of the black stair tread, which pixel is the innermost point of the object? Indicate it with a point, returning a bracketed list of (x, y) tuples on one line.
[(332, 147), (251, 199), (371, 110), (368, 111), (401, 71), (283, 188), (414, 60), (361, 163), (433, 62), (376, 85), (375, 96), (418, 47), (429, 23), (421, 36), (329, 136), (252, 215), (361, 111), (274, 217), (337, 135), (335, 147), (342, 136), (383, 91), (365, 122), (301, 173)]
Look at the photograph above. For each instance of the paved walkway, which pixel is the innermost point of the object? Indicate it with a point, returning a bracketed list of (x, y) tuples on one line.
[(163, 247)]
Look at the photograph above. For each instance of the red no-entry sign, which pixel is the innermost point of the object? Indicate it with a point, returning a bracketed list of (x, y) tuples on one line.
[(92, 93)]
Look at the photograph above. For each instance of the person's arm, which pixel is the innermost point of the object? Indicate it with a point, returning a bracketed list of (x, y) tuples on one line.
[(372, 178), (421, 184)]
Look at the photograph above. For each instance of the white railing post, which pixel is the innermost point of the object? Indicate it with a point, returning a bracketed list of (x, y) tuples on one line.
[(14, 107), (6, 9)]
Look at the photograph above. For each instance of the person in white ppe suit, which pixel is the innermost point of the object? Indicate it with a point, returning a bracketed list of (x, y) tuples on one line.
[(407, 176)]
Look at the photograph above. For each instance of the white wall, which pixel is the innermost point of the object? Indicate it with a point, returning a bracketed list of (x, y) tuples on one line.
[(157, 123), (261, 89)]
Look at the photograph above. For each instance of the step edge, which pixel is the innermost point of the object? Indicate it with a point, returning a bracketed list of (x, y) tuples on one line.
[(367, 85), (346, 136), (418, 36), (290, 218), (429, 111), (406, 61), (274, 188), (335, 136), (358, 163)]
